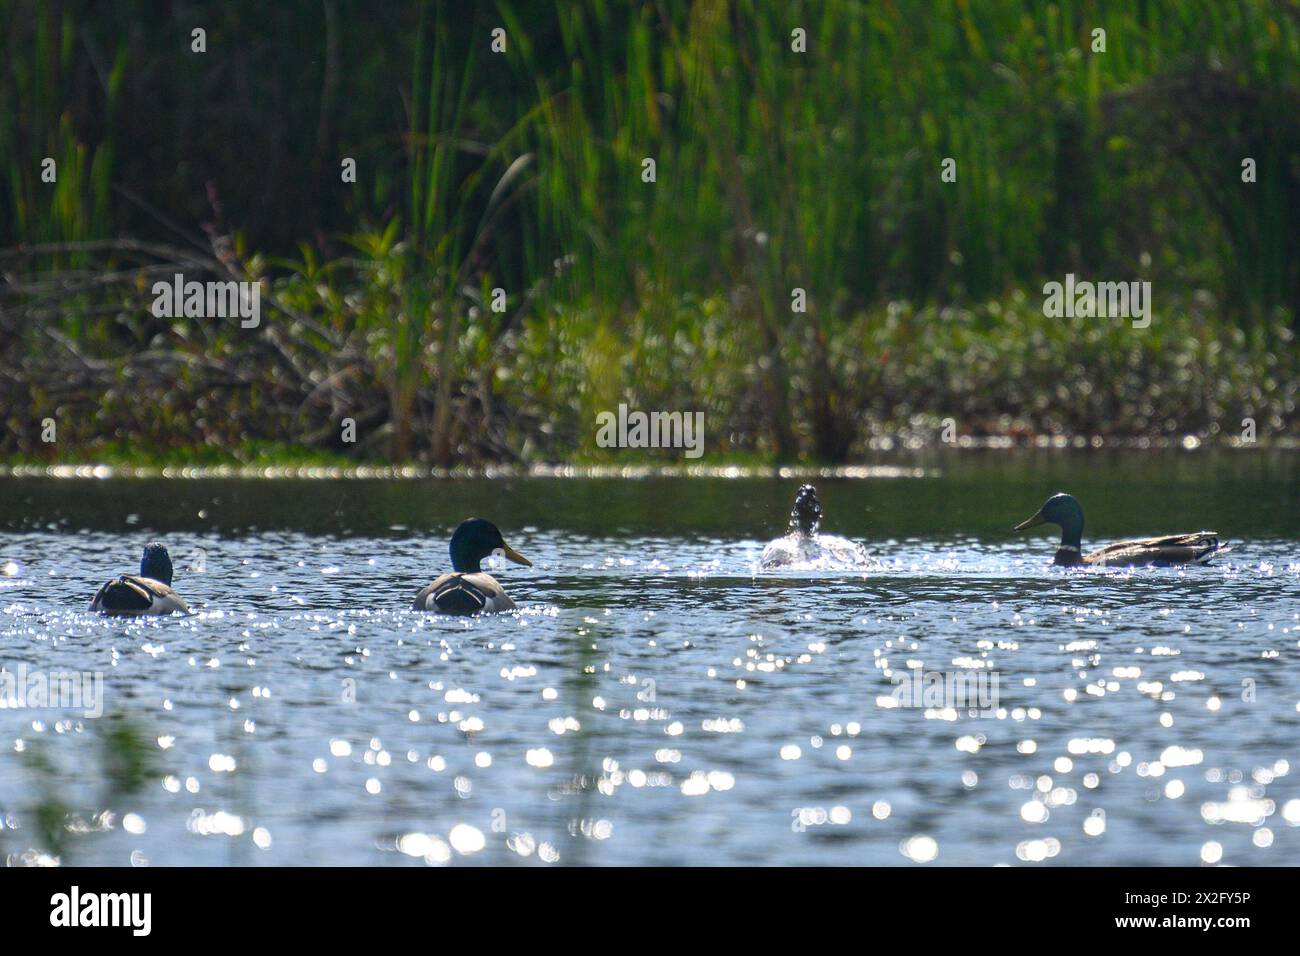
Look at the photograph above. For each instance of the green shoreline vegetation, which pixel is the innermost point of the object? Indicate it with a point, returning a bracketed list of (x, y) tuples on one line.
[(525, 171)]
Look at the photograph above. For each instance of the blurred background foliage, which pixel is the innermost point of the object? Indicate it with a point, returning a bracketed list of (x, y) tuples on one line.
[(523, 170)]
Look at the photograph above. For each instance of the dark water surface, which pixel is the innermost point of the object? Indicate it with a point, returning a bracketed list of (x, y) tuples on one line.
[(655, 701)]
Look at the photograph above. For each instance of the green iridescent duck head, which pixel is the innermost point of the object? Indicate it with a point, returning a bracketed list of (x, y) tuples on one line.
[(1065, 512)]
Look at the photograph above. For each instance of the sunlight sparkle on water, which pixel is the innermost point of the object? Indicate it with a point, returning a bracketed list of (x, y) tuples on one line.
[(674, 709)]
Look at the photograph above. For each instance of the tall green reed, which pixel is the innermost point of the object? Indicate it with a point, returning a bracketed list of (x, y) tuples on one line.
[(821, 170)]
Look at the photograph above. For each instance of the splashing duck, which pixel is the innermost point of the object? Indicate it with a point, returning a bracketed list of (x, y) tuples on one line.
[(804, 547)]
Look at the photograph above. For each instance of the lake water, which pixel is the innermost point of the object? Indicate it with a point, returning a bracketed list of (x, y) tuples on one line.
[(655, 702)]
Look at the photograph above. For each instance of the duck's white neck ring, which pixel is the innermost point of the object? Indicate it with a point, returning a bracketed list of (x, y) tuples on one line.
[(1069, 547)]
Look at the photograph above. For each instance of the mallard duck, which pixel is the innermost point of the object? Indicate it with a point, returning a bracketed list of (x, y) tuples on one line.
[(150, 592), (1066, 512), (803, 546), (468, 589)]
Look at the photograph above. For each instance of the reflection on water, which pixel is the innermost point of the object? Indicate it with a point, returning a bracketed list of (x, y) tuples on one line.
[(655, 702)]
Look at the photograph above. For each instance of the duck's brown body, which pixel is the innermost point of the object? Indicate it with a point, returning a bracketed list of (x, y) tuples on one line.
[(133, 596), (1194, 548), (456, 593)]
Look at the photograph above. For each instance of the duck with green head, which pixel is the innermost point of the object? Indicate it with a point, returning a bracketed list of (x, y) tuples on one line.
[(468, 589), (1065, 512), (149, 592)]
